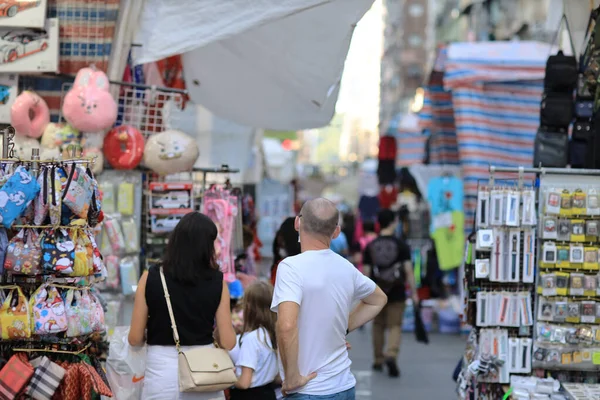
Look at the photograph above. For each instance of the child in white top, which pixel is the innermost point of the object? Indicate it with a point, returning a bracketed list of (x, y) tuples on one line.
[(255, 354)]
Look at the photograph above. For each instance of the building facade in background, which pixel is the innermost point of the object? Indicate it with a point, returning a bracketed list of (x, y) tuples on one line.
[(408, 43)]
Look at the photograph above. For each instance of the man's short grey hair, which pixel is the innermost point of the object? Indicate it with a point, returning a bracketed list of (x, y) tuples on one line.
[(320, 217)]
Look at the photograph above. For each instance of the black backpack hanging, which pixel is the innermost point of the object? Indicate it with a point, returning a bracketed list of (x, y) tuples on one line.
[(561, 70)]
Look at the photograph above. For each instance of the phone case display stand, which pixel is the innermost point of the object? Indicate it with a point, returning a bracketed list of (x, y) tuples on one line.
[(532, 278)]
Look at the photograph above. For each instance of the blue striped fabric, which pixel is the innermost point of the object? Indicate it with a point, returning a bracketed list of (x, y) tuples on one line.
[(496, 111), (411, 148), (437, 120)]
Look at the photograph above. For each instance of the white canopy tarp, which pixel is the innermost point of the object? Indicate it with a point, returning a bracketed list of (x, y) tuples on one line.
[(273, 64)]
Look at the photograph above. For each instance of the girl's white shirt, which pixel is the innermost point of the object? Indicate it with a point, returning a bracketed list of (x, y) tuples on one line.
[(256, 352)]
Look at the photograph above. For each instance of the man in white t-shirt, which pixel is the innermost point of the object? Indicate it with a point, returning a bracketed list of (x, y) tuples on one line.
[(313, 297)]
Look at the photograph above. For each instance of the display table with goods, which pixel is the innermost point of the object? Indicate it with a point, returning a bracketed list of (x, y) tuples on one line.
[(52, 320), (556, 275)]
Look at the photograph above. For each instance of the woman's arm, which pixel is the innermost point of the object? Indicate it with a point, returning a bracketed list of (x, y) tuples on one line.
[(139, 319), (226, 337), (245, 380)]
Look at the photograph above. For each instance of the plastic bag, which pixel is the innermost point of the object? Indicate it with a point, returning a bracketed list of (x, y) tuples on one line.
[(125, 366)]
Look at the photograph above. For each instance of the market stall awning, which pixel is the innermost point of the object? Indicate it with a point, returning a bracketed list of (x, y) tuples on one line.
[(270, 64)]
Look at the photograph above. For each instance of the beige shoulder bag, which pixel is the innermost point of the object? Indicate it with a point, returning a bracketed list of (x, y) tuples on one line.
[(204, 369)]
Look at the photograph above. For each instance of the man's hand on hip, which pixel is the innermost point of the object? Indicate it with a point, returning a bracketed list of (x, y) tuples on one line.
[(294, 383)]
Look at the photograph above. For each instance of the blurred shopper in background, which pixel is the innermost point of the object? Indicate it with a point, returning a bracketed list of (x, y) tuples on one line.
[(387, 260), (339, 244), (285, 245), (368, 236)]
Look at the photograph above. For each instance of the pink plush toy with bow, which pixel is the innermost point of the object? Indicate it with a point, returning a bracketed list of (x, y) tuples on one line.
[(89, 106)]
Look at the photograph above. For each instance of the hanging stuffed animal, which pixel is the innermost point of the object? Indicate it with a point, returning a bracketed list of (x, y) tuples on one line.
[(58, 139), (29, 114), (170, 152), (124, 147), (89, 106), (92, 147)]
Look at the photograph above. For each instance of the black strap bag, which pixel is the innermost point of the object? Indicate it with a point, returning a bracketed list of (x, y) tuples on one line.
[(551, 149), (561, 70)]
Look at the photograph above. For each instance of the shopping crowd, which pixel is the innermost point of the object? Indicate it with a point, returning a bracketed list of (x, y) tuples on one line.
[(292, 339)]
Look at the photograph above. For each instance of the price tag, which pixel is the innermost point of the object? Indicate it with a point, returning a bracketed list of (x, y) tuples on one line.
[(596, 358)]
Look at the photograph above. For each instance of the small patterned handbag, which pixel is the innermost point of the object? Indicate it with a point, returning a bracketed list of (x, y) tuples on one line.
[(23, 254), (78, 193), (78, 309), (15, 195), (49, 314), (15, 316), (58, 252)]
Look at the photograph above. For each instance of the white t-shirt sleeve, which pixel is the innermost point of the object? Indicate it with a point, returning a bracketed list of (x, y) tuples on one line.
[(249, 354), (363, 286), (288, 286)]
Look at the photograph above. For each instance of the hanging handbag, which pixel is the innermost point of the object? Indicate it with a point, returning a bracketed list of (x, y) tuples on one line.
[(23, 254), (40, 203), (49, 314), (557, 109), (203, 369), (15, 195), (55, 183), (95, 210), (551, 149), (78, 192), (15, 316), (78, 310), (561, 70), (58, 252)]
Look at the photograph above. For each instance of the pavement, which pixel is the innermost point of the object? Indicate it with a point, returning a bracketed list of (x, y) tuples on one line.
[(426, 368)]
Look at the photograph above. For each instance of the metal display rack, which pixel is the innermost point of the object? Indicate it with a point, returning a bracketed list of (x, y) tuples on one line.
[(543, 178)]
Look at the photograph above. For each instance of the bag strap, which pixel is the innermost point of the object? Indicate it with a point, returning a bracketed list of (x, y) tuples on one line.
[(170, 308), (69, 180), (559, 30)]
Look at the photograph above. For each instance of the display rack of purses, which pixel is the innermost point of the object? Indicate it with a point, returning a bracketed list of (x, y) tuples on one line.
[(499, 280), (52, 322), (551, 147), (567, 334), (119, 240)]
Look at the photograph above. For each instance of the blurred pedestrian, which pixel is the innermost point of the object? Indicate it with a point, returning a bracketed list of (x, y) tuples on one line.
[(368, 236), (285, 245), (387, 260), (313, 297), (339, 244)]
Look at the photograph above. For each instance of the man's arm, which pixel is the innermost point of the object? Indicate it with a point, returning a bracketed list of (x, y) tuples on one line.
[(287, 341), (367, 309), (287, 337)]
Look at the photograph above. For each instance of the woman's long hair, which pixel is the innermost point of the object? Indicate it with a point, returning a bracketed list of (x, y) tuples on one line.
[(286, 239), (257, 311), (190, 253)]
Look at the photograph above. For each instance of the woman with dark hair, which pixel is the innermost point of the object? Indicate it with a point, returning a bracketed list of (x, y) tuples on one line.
[(199, 297), (285, 245)]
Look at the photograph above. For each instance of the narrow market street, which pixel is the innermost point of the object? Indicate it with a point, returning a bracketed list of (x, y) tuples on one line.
[(426, 369)]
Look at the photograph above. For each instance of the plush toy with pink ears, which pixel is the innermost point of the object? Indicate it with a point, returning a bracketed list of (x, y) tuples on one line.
[(89, 106)]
